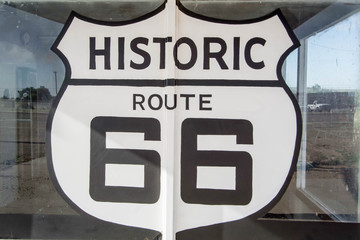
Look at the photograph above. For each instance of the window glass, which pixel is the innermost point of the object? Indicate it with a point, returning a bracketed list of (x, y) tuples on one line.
[(290, 71), (323, 74), (326, 80), (332, 140), (31, 75)]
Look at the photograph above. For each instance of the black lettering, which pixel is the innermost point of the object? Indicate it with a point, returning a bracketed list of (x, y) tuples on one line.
[(174, 101), (100, 52), (140, 103), (217, 55), (134, 47), (191, 159), (187, 99), (121, 52), (248, 59), (193, 49), (162, 42), (100, 156), (160, 101), (202, 101), (236, 53)]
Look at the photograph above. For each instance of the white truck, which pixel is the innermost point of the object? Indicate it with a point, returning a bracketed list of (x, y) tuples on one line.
[(318, 107)]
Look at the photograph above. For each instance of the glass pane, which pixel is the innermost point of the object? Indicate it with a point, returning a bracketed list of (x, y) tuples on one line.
[(324, 188), (31, 76), (290, 71), (332, 121)]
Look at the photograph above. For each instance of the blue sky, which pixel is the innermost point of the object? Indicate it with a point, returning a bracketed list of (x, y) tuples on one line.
[(333, 57)]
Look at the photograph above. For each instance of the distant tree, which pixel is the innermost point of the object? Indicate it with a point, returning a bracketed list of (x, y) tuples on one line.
[(28, 94), (6, 94), (33, 95), (316, 88), (43, 94)]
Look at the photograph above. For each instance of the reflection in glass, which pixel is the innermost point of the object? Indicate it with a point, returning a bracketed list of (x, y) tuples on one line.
[(332, 119), (31, 76), (27, 87), (289, 71)]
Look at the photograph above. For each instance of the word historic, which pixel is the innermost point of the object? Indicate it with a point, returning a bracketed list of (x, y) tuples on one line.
[(139, 46)]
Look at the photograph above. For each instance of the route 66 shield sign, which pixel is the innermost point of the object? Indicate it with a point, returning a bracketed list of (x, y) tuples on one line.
[(174, 121)]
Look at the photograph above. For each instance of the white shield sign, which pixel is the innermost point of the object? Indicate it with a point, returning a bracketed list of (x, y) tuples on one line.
[(174, 121)]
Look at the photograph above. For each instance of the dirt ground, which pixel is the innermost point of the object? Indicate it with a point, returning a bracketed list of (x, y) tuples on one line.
[(331, 179), (333, 146), (26, 188)]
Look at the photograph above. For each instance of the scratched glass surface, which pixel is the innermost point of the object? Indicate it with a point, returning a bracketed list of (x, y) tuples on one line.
[(327, 88), (323, 74)]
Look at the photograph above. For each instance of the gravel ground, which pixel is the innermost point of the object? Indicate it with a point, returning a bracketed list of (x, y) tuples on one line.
[(26, 188)]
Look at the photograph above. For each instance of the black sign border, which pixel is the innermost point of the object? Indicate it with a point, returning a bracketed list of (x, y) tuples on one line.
[(280, 82)]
